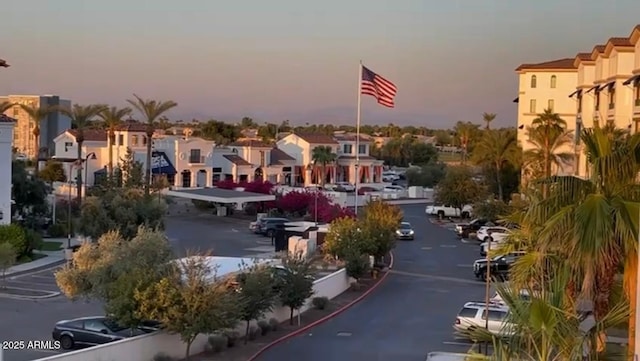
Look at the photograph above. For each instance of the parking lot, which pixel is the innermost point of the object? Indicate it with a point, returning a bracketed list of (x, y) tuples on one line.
[(41, 284)]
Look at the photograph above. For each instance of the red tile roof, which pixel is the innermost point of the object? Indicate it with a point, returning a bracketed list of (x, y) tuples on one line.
[(619, 42), (351, 137), (566, 63), (91, 135), (584, 56), (6, 119), (252, 143), (236, 159), (278, 156), (130, 126), (316, 138)]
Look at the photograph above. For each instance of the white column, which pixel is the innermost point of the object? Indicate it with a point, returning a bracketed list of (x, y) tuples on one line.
[(209, 180), (194, 179)]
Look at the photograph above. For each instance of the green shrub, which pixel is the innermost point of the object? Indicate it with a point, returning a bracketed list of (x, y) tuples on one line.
[(34, 241), (57, 230), (264, 326), (253, 333), (203, 205), (251, 209), (320, 303), (356, 265), (16, 236), (275, 324), (163, 357), (232, 338), (217, 342)]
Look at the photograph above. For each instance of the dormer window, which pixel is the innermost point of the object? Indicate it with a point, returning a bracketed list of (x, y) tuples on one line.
[(347, 149), (534, 81), (553, 81), (362, 149)]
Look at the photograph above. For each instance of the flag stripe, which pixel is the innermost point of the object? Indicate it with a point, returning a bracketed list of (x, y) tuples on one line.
[(378, 87)]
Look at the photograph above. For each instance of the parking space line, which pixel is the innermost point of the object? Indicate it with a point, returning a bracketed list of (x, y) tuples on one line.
[(457, 343), (52, 277), (34, 283), (465, 265)]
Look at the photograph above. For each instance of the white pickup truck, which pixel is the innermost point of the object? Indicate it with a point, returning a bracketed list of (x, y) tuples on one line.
[(449, 211)]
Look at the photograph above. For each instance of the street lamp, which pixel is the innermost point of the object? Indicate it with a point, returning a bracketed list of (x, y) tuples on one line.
[(487, 288), (69, 185), (90, 156)]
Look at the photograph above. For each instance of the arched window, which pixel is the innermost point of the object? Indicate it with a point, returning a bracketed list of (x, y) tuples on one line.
[(534, 81), (553, 81)]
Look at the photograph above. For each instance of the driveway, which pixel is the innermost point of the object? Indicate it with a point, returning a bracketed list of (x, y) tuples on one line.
[(411, 313)]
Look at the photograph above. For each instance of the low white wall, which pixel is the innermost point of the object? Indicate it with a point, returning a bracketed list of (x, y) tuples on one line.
[(144, 348)]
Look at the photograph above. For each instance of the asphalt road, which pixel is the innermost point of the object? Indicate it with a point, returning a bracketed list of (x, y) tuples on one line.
[(410, 314), (34, 319)]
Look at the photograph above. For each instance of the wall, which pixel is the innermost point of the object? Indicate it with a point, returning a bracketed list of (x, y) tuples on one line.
[(144, 348), (6, 139), (296, 148)]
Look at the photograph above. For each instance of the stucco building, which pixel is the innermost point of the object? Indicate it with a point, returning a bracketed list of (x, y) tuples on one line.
[(6, 155)]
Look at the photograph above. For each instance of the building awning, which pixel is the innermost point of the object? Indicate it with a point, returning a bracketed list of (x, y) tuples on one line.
[(631, 80), (160, 164), (577, 92), (101, 171), (596, 88), (516, 100), (219, 195), (609, 85)]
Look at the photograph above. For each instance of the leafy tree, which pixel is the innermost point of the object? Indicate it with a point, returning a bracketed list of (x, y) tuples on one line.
[(296, 285), (190, 301), (123, 210), (132, 170), (458, 188), (29, 194), (497, 148), (426, 176), (220, 132), (491, 210), (113, 117), (151, 110), (8, 258), (52, 172), (247, 122), (268, 132), (403, 151), (114, 269), (467, 133), (345, 237), (81, 116), (379, 222), (324, 156), (257, 295), (356, 264)]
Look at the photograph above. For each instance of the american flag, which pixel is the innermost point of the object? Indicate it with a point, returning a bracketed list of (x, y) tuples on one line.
[(380, 88)]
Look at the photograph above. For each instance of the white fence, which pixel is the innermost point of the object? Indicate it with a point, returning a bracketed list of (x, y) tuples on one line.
[(144, 348)]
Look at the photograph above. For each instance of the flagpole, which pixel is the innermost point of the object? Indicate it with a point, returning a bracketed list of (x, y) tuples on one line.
[(358, 135)]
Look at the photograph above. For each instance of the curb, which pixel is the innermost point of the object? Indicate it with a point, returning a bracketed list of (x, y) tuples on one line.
[(325, 318), (36, 269)]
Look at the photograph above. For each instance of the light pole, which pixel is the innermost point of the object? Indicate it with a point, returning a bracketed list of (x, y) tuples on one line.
[(90, 156), (487, 289), (69, 184)]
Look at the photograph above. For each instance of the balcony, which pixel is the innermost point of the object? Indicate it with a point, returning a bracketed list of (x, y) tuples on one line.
[(636, 108), (196, 160)]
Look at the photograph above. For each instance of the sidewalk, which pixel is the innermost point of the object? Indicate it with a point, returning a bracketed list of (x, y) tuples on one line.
[(52, 259)]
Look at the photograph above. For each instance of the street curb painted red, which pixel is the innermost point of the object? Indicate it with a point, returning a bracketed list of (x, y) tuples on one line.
[(325, 318)]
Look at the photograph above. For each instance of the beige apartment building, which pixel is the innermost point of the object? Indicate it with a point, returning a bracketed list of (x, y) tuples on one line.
[(593, 88), (50, 127)]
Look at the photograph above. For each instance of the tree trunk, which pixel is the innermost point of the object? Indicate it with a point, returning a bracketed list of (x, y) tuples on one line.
[(324, 174), (499, 181), (147, 176), (37, 160), (246, 333), (188, 352), (112, 137), (81, 165), (291, 316)]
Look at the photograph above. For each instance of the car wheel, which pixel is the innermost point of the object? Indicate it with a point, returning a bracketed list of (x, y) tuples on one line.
[(464, 215), (66, 342), (271, 233), (440, 214)]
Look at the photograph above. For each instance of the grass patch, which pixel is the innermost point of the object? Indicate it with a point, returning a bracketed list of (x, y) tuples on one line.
[(50, 246)]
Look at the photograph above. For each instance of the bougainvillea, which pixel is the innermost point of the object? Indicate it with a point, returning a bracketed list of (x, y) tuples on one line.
[(226, 184), (258, 186), (301, 203)]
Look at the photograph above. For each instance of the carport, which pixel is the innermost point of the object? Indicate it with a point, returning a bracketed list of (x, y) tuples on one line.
[(222, 196)]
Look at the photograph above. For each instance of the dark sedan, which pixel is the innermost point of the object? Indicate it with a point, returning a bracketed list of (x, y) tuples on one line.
[(267, 226), (91, 331), (463, 229), (405, 232)]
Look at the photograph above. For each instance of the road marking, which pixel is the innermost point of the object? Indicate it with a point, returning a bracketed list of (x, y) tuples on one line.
[(458, 343), (465, 265), (50, 278), (448, 246), (34, 283), (426, 248), (233, 230), (439, 278)]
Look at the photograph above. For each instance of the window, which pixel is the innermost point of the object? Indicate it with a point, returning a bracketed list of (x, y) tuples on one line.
[(362, 149), (121, 139), (553, 81), (144, 140), (67, 145), (217, 170), (612, 97), (597, 99), (347, 149), (494, 315), (194, 156), (262, 158), (134, 140), (637, 90), (532, 106), (94, 326), (286, 169), (468, 312), (74, 324), (550, 104), (534, 81)]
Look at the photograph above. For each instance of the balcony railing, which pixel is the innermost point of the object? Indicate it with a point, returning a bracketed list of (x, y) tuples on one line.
[(196, 160)]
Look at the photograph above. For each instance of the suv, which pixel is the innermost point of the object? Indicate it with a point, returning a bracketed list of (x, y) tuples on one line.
[(267, 226), (500, 266), (464, 229), (473, 315)]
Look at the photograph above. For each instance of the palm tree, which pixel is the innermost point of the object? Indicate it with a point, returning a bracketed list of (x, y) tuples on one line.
[(497, 148), (4, 106), (593, 223), (323, 155), (81, 116), (488, 118), (151, 110), (112, 118), (550, 145), (465, 133), (546, 129), (37, 114)]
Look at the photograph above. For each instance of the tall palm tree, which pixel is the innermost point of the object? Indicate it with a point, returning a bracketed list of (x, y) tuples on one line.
[(81, 116), (4, 106), (593, 223), (112, 118), (488, 118), (151, 110), (550, 149), (497, 148), (465, 131), (323, 155), (37, 114), (548, 127)]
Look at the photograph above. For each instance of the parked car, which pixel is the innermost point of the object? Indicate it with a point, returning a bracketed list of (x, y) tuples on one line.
[(393, 188), (464, 229), (344, 187), (267, 226), (405, 232), (449, 211), (472, 315), (497, 233), (390, 176), (500, 265), (98, 330), (364, 190)]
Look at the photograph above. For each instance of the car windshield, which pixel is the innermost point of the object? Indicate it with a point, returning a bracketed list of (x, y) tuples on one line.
[(405, 226)]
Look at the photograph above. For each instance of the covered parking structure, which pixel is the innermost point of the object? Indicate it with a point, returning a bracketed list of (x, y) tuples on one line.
[(222, 196)]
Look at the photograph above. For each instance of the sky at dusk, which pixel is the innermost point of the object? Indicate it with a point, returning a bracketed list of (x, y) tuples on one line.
[(298, 59)]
